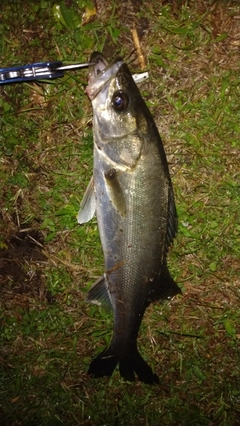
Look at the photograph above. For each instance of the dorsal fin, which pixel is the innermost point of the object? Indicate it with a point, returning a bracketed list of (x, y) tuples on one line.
[(172, 219), (165, 287)]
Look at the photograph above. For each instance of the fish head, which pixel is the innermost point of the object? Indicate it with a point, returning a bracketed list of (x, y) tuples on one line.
[(118, 109)]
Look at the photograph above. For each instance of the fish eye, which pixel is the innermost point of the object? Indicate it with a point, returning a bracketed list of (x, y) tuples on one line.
[(120, 101)]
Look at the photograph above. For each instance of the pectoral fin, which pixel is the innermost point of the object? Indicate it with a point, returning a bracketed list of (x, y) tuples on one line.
[(88, 204), (115, 191)]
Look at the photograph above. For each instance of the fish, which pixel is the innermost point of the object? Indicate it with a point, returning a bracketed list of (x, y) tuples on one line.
[(132, 196)]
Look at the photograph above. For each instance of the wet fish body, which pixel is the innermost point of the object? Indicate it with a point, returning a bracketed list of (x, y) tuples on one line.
[(132, 196)]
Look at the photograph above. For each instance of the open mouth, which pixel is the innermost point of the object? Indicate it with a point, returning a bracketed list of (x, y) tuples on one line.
[(100, 73), (100, 64)]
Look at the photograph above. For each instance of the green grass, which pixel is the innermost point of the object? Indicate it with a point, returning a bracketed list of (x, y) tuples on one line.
[(48, 262)]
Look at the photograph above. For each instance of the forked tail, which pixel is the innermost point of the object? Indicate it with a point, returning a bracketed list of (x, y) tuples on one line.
[(105, 363)]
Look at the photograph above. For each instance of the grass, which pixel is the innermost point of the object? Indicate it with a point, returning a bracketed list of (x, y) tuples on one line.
[(48, 262)]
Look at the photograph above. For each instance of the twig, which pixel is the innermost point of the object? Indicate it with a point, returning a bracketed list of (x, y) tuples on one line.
[(138, 48)]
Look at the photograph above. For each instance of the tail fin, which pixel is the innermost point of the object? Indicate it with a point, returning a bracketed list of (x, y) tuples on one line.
[(105, 363), (135, 363)]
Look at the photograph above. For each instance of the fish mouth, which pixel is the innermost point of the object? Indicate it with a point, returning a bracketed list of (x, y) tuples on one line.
[(100, 63), (100, 73)]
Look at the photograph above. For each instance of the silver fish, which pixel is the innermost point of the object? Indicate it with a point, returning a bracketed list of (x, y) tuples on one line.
[(132, 196)]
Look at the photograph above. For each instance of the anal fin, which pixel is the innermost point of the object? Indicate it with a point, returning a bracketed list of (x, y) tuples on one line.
[(99, 294)]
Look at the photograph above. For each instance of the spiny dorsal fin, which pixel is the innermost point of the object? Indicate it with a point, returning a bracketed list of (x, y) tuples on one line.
[(172, 219)]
